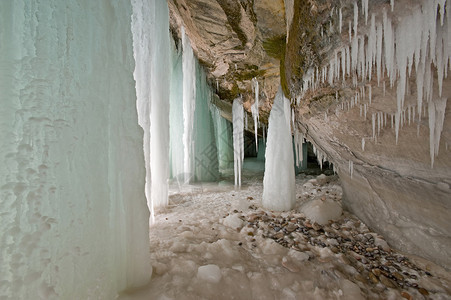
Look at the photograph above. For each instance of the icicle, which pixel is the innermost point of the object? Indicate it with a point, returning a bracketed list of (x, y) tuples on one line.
[(392, 3), (365, 10), (351, 168), (350, 30), (365, 109), (436, 111), (238, 138), (373, 122), (356, 18), (246, 124), (255, 111), (340, 20), (378, 123), (370, 94), (397, 125), (363, 144)]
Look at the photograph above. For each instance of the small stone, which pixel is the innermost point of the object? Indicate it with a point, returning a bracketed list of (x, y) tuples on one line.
[(423, 292), (278, 235), (250, 233), (376, 272), (316, 226), (398, 276), (406, 295), (361, 278), (373, 278), (335, 250), (291, 227), (387, 282), (250, 198)]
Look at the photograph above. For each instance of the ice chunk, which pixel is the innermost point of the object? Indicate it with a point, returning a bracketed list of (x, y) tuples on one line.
[(321, 211), (210, 273), (278, 182), (233, 221)]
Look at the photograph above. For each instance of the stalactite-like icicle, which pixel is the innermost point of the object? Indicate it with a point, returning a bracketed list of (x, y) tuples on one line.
[(238, 138), (255, 111)]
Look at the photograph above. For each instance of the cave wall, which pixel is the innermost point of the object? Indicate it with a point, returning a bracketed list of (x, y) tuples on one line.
[(73, 218), (338, 86)]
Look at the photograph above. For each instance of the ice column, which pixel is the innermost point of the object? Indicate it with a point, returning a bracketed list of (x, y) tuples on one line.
[(189, 105), (254, 110), (278, 182), (176, 118), (224, 140), (159, 105), (238, 138), (205, 158)]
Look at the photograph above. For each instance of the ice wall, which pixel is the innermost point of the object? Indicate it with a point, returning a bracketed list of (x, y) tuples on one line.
[(224, 140), (73, 219), (205, 154), (278, 183), (193, 154), (176, 117)]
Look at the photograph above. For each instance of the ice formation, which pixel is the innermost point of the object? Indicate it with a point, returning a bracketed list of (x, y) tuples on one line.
[(205, 148), (238, 138), (298, 140), (159, 107), (189, 105), (278, 182), (193, 149), (436, 118), (224, 140), (74, 220), (254, 110), (392, 50)]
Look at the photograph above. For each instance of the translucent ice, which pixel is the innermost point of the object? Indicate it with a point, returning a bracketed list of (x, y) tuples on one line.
[(238, 138), (278, 182)]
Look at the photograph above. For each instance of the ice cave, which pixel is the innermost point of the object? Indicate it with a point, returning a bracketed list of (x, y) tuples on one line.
[(225, 149)]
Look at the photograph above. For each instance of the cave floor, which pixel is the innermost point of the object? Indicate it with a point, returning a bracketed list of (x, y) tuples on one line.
[(216, 242)]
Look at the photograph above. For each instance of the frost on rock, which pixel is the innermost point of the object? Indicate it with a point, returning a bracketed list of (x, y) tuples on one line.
[(278, 182), (238, 138)]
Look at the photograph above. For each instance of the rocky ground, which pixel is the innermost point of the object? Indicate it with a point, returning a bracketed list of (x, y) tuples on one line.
[(215, 242)]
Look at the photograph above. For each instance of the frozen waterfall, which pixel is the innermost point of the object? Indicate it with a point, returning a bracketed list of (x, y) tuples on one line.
[(193, 145), (74, 220), (278, 182)]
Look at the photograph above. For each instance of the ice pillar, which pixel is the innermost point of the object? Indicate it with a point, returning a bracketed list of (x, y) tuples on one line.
[(238, 138), (278, 182)]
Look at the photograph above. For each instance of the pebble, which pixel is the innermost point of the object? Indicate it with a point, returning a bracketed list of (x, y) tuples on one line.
[(398, 276), (347, 239), (386, 281), (423, 292), (406, 295), (373, 278)]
